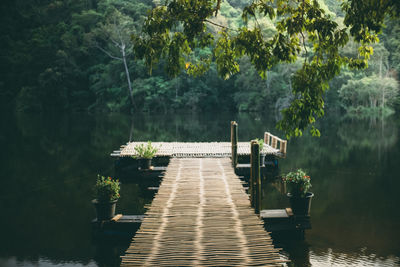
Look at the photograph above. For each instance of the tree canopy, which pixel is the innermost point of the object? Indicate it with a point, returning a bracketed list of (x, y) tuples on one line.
[(175, 32), (79, 56)]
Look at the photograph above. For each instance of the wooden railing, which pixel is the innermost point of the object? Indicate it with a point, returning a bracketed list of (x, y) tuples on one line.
[(275, 142)]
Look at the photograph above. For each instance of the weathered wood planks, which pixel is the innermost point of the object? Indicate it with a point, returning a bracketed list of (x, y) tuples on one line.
[(201, 216)]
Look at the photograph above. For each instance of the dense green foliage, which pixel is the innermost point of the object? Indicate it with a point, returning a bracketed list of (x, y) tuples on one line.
[(175, 31), (78, 55)]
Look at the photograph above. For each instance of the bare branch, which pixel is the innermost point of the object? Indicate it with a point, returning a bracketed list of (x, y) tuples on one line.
[(304, 39), (115, 42), (108, 53), (216, 24), (304, 43), (218, 7)]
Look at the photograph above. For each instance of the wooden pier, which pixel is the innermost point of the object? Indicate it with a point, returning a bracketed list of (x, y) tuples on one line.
[(201, 216), (272, 146)]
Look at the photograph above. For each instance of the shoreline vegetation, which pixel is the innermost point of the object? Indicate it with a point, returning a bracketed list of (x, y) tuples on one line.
[(63, 56)]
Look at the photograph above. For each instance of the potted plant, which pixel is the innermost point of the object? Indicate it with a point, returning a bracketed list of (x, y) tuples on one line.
[(144, 154), (262, 155), (297, 187), (106, 197)]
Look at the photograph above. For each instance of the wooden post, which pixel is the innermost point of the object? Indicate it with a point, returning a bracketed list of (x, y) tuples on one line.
[(274, 142), (255, 177), (266, 138), (283, 146), (234, 142)]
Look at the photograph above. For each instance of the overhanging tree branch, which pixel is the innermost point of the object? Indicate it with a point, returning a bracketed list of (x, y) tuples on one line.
[(294, 20)]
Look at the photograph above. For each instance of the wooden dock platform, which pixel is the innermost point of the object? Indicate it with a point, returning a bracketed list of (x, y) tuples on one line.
[(197, 150), (201, 216)]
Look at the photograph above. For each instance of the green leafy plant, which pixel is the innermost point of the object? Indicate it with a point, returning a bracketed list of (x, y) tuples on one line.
[(297, 183), (145, 151), (261, 143), (106, 189)]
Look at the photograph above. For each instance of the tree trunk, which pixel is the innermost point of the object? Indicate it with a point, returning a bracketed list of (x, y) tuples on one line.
[(127, 74), (131, 131)]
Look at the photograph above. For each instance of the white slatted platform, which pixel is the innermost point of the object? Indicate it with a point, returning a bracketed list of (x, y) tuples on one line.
[(195, 150)]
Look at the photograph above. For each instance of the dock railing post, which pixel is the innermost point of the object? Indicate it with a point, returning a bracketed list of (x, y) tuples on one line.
[(255, 177), (283, 146), (234, 142), (274, 141), (266, 138)]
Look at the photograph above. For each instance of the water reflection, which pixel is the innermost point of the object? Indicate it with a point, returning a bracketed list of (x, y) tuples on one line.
[(353, 169), (12, 262), (328, 257), (49, 164)]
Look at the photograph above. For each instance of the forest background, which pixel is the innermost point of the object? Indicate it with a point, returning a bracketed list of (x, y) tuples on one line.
[(76, 55)]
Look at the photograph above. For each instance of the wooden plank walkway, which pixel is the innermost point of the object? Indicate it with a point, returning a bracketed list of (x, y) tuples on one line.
[(201, 216), (195, 150)]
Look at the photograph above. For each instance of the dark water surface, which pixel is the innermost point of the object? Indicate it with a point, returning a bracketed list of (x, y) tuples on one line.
[(49, 164)]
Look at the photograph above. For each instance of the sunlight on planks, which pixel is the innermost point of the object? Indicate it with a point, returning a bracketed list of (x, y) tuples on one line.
[(201, 216)]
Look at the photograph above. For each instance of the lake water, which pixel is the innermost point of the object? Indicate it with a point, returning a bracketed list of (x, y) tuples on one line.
[(49, 164)]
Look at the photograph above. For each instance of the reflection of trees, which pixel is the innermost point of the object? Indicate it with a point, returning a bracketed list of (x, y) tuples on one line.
[(253, 125), (340, 139), (189, 127), (50, 163), (371, 134), (204, 127), (171, 127), (353, 167), (353, 207)]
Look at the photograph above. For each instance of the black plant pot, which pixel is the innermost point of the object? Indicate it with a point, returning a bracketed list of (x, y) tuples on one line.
[(144, 164), (104, 210), (300, 205)]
